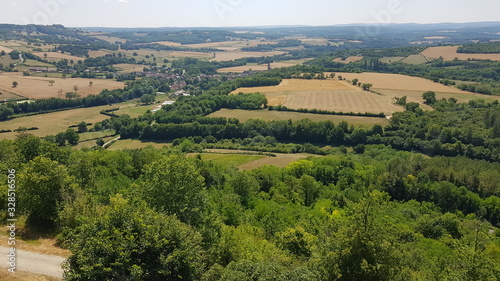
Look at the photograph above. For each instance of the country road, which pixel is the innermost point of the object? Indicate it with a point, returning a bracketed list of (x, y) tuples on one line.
[(34, 262)]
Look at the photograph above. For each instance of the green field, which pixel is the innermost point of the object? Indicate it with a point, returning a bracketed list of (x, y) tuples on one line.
[(133, 144), (245, 115), (37, 63), (415, 59), (391, 59)]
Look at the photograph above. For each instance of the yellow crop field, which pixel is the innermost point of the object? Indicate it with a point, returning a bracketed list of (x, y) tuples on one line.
[(39, 87), (450, 53), (399, 82), (331, 95)]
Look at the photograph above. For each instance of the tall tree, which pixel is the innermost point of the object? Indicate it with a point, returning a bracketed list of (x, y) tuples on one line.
[(129, 241), (173, 185)]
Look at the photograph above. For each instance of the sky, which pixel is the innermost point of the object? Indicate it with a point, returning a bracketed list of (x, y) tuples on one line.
[(225, 13)]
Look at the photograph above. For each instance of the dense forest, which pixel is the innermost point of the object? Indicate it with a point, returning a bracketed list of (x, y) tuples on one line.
[(367, 216), (485, 48)]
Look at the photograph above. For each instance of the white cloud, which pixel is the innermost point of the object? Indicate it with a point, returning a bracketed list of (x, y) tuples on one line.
[(122, 1)]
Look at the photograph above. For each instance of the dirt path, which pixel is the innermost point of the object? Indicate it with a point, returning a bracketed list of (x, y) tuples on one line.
[(34, 263), (115, 139)]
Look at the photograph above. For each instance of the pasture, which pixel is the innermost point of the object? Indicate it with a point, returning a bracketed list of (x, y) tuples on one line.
[(415, 59), (279, 160), (128, 67), (245, 115), (450, 53), (39, 87), (244, 160), (57, 56), (53, 123), (331, 95), (391, 59), (100, 53)]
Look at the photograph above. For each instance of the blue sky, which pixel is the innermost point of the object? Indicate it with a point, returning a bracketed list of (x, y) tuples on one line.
[(214, 13)]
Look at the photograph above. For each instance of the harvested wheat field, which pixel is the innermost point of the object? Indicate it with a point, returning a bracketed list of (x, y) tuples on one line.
[(399, 82), (56, 56), (349, 59), (416, 96), (299, 84), (331, 95), (227, 56), (450, 53), (5, 49), (39, 87), (245, 115)]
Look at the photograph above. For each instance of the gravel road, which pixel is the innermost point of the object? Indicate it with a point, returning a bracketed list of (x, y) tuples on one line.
[(34, 262)]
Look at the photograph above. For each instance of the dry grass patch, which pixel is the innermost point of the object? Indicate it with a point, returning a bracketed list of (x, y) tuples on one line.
[(245, 115), (349, 59), (39, 87), (185, 54), (450, 53), (168, 43), (110, 39), (227, 56), (128, 67), (231, 46), (5, 49), (100, 53), (134, 144), (260, 67), (57, 56)]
